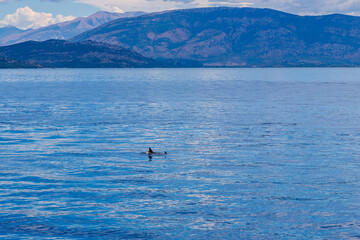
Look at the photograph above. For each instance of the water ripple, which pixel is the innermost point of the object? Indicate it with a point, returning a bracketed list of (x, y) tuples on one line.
[(251, 156)]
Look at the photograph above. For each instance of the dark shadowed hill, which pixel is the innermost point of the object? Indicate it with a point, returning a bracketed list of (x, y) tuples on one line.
[(64, 30), (87, 54), (11, 63), (237, 37)]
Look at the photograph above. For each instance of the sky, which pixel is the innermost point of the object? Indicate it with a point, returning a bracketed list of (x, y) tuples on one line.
[(26, 14)]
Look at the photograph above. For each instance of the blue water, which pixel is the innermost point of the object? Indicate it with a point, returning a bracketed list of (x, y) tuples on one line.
[(253, 154)]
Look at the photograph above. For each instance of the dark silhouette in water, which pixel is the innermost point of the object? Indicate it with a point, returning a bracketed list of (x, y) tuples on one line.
[(151, 152)]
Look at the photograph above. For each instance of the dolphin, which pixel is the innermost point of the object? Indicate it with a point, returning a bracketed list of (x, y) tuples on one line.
[(151, 152)]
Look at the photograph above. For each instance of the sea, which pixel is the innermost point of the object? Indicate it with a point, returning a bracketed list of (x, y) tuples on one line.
[(270, 153)]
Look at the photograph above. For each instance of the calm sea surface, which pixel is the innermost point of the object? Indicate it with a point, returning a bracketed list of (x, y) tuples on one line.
[(253, 154)]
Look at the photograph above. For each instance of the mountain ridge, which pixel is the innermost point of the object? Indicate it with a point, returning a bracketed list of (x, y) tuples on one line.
[(64, 30), (239, 37)]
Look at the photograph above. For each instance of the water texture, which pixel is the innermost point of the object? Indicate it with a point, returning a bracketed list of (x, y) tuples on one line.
[(253, 154)]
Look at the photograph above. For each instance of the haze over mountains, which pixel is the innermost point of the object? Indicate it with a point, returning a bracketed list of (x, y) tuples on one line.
[(11, 35), (231, 37)]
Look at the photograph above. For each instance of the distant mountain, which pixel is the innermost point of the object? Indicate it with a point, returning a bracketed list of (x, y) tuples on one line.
[(8, 30), (63, 54), (245, 37), (63, 30)]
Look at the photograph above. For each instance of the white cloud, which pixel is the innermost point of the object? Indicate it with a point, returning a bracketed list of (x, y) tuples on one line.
[(25, 18), (116, 10)]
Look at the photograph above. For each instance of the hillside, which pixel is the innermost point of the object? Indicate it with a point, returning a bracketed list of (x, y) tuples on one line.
[(9, 30), (11, 63), (237, 37), (63, 54), (64, 30)]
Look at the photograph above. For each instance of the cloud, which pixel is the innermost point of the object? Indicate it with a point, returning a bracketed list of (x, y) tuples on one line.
[(307, 7), (25, 18), (293, 6), (156, 5)]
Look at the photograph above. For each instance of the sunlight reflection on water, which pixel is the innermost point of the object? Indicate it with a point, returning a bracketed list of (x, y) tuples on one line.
[(253, 153)]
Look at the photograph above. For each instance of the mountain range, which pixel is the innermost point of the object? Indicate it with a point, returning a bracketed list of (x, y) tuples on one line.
[(245, 37), (213, 37), (65, 30)]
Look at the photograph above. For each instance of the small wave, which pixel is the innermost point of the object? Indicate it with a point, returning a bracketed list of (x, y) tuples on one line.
[(301, 199)]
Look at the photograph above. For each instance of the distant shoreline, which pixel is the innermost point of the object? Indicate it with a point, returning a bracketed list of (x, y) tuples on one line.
[(33, 68)]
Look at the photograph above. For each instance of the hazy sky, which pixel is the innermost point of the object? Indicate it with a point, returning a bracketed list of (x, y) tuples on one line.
[(37, 13)]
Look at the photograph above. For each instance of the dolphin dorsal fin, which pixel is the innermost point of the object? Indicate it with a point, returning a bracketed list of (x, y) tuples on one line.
[(150, 150)]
